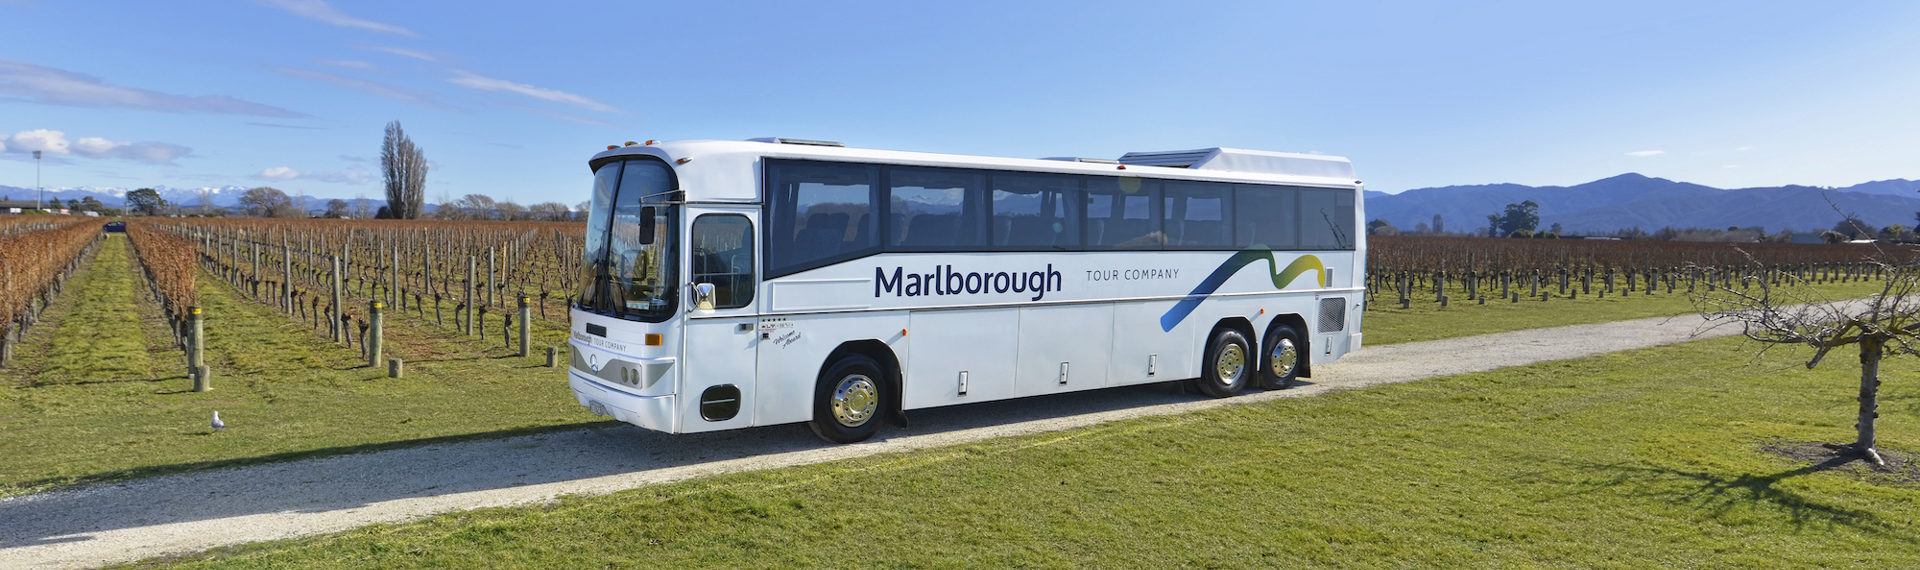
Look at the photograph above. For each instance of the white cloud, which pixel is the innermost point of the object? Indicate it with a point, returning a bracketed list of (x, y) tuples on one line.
[(56, 143), (321, 11), (41, 84), (284, 173), (404, 52), (469, 80), (371, 87), (48, 141), (349, 64), (1646, 153)]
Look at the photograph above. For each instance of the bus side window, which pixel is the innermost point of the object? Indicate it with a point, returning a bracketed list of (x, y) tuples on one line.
[(1121, 213), (723, 256), (1266, 216), (1035, 212), (1326, 219), (1195, 215), (941, 210), (818, 214)]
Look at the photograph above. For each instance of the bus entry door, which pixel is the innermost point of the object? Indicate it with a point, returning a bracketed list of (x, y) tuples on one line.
[(721, 340)]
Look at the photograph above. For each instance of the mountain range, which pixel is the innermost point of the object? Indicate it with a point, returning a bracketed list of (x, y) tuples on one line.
[(223, 196), (1633, 200), (1621, 202)]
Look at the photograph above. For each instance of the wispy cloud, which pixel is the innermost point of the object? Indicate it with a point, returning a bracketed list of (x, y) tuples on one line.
[(349, 64), (563, 116), (371, 87), (482, 83), (321, 11), (55, 143), (1646, 153), (278, 126), (404, 52), (50, 86), (284, 173)]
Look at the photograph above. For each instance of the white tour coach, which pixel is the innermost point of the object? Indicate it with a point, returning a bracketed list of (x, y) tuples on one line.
[(746, 283)]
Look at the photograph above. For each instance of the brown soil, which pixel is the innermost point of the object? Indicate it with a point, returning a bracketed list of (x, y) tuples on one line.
[(1900, 468)]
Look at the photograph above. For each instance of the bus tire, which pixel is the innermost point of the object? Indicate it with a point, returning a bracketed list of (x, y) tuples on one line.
[(1229, 365), (1280, 358), (850, 401)]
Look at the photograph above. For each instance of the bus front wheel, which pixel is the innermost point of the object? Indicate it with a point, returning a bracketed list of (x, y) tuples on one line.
[(850, 402), (1229, 365), (1280, 356)]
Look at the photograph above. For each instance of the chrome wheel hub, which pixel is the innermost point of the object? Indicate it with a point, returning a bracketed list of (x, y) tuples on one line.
[(1284, 357), (1231, 364), (854, 400)]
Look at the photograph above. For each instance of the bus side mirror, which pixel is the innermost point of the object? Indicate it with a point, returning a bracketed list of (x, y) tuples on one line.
[(703, 296), (647, 224)]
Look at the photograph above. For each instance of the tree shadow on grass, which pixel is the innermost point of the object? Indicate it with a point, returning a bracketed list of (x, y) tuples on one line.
[(1719, 494)]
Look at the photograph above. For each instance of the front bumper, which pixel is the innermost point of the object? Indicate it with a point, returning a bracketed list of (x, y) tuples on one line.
[(651, 412)]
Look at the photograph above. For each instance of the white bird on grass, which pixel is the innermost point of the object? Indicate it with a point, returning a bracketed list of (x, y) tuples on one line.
[(217, 424)]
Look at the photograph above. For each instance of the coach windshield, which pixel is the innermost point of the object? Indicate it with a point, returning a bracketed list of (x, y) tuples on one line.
[(628, 269)]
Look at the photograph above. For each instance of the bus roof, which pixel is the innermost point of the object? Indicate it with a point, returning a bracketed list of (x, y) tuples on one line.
[(728, 171)]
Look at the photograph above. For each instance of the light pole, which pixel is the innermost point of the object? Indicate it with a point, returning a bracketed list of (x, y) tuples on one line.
[(40, 192)]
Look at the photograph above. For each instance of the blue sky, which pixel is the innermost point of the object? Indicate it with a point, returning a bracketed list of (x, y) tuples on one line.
[(509, 99)]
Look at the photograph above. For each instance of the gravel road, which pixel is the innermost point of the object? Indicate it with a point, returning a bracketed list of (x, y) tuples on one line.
[(101, 524)]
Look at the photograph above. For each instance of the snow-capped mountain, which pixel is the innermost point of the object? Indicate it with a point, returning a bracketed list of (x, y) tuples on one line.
[(223, 196)]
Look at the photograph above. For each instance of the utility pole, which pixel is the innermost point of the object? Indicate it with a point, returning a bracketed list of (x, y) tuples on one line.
[(41, 192)]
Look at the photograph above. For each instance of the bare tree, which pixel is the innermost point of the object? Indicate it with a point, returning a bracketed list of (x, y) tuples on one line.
[(550, 212), (266, 202), (1786, 311), (510, 210), (404, 168), (206, 199), (362, 208), (474, 207)]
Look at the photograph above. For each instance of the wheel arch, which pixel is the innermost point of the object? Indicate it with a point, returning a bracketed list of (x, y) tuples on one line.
[(1299, 325), (881, 353)]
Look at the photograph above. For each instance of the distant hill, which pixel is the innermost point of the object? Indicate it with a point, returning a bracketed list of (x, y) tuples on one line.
[(1633, 200), (223, 196)]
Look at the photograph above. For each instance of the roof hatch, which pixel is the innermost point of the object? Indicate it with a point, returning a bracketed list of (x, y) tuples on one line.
[(1242, 160)]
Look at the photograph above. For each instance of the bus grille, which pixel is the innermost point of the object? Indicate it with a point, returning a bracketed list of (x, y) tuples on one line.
[(1333, 314)]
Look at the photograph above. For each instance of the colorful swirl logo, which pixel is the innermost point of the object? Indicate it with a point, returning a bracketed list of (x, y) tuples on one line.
[(1240, 259)]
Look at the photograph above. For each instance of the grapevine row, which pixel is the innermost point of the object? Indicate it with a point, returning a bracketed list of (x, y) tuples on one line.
[(36, 258)]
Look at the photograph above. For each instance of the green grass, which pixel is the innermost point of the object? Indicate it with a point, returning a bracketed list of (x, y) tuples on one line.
[(1647, 458), (96, 334), (63, 421), (1387, 323)]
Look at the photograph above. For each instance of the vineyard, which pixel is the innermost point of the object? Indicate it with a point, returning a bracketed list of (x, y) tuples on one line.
[(36, 257), (1477, 267)]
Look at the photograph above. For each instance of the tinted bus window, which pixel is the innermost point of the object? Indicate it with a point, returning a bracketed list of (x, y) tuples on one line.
[(1326, 219), (1035, 212), (1266, 216), (1120, 213), (1195, 215), (819, 213), (936, 210)]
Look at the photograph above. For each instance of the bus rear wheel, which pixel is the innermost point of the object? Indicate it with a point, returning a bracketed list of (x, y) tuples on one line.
[(850, 401), (1280, 357), (1229, 365)]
